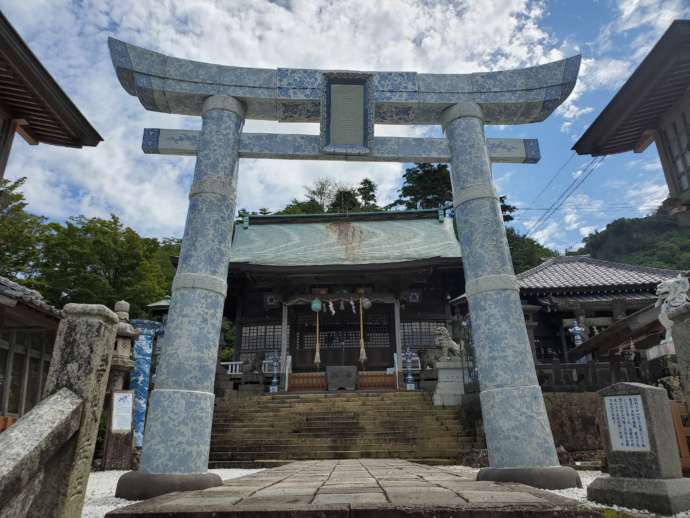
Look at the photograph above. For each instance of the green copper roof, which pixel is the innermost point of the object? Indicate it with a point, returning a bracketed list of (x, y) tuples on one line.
[(344, 242)]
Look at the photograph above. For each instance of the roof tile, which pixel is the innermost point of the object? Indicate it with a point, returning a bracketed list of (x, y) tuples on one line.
[(582, 271)]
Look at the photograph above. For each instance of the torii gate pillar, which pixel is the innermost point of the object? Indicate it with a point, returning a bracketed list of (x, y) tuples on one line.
[(518, 434)]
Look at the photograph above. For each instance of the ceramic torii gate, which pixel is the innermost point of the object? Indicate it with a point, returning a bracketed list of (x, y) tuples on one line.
[(347, 105)]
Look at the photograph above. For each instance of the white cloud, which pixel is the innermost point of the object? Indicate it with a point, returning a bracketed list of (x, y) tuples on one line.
[(652, 164), (149, 192), (651, 18), (646, 196)]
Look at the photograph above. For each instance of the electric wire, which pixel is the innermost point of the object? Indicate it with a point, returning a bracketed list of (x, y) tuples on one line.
[(551, 180), (570, 189)]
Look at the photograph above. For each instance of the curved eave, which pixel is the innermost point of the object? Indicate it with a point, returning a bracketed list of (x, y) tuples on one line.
[(167, 84), (29, 93), (654, 87), (401, 266)]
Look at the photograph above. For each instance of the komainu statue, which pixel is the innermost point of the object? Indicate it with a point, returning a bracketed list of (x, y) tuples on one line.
[(672, 294), (450, 350)]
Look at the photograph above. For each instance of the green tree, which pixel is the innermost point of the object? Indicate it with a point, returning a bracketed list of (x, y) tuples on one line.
[(20, 233), (526, 252), (264, 211), (301, 207), (657, 241), (93, 260), (425, 186), (345, 199), (367, 193)]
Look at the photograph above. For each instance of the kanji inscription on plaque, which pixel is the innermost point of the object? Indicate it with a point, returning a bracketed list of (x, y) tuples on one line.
[(627, 423)]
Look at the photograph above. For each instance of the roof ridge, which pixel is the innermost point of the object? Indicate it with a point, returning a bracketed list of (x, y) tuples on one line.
[(629, 266), (536, 269)]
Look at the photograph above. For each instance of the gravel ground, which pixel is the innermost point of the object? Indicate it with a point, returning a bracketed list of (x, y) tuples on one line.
[(581, 494), (101, 488)]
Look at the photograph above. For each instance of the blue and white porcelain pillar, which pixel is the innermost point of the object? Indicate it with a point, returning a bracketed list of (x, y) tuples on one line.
[(518, 435), (178, 428)]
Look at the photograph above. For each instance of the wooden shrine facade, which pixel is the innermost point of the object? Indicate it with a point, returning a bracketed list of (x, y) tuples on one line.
[(407, 264)]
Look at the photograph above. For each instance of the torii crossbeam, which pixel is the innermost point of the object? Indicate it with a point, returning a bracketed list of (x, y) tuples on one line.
[(347, 105)]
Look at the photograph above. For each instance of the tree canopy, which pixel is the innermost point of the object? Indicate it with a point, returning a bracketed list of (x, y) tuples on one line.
[(88, 260), (656, 241), (325, 195), (20, 233), (427, 186)]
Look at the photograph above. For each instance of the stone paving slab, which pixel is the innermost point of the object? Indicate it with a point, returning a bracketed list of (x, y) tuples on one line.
[(371, 488)]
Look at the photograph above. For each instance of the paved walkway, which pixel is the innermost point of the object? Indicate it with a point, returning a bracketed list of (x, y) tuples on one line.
[(357, 488)]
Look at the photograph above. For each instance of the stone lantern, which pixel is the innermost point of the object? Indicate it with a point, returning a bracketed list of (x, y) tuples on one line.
[(122, 363)]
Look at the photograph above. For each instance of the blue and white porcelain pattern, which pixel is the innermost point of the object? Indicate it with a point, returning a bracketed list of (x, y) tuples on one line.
[(307, 147), (173, 85), (516, 426), (140, 376), (178, 429)]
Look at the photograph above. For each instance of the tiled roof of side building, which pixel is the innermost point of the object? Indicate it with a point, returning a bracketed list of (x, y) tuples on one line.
[(344, 241), (33, 298), (584, 272)]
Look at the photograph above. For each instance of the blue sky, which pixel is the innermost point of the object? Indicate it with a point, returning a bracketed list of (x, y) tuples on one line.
[(149, 192)]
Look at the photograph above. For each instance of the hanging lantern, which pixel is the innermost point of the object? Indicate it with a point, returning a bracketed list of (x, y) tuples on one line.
[(316, 305), (366, 303), (362, 352), (342, 305), (317, 353)]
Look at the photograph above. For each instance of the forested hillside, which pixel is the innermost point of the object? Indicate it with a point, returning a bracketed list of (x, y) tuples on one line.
[(655, 241)]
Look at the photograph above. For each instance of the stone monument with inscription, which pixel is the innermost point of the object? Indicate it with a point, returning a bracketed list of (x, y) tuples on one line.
[(348, 105), (642, 453)]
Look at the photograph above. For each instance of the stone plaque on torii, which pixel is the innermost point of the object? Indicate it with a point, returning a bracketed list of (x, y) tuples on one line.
[(347, 105)]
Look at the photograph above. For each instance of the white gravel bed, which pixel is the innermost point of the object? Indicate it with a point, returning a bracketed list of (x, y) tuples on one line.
[(101, 488), (580, 494)]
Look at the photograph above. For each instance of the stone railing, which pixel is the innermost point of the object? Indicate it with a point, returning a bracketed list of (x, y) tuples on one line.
[(586, 377), (45, 457)]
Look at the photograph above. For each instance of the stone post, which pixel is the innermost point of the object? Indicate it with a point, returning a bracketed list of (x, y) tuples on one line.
[(119, 444), (81, 361), (680, 332), (518, 434), (178, 426), (122, 363), (642, 452)]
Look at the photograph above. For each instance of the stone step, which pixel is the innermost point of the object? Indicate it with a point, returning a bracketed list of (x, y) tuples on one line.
[(332, 454), (389, 434), (291, 449), (272, 463), (351, 423), (259, 430), (327, 408)]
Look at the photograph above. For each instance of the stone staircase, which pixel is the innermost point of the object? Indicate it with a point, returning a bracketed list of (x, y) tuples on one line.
[(269, 430)]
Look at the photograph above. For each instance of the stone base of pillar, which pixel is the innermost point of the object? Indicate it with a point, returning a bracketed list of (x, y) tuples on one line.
[(552, 477), (659, 495), (450, 386), (136, 485)]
